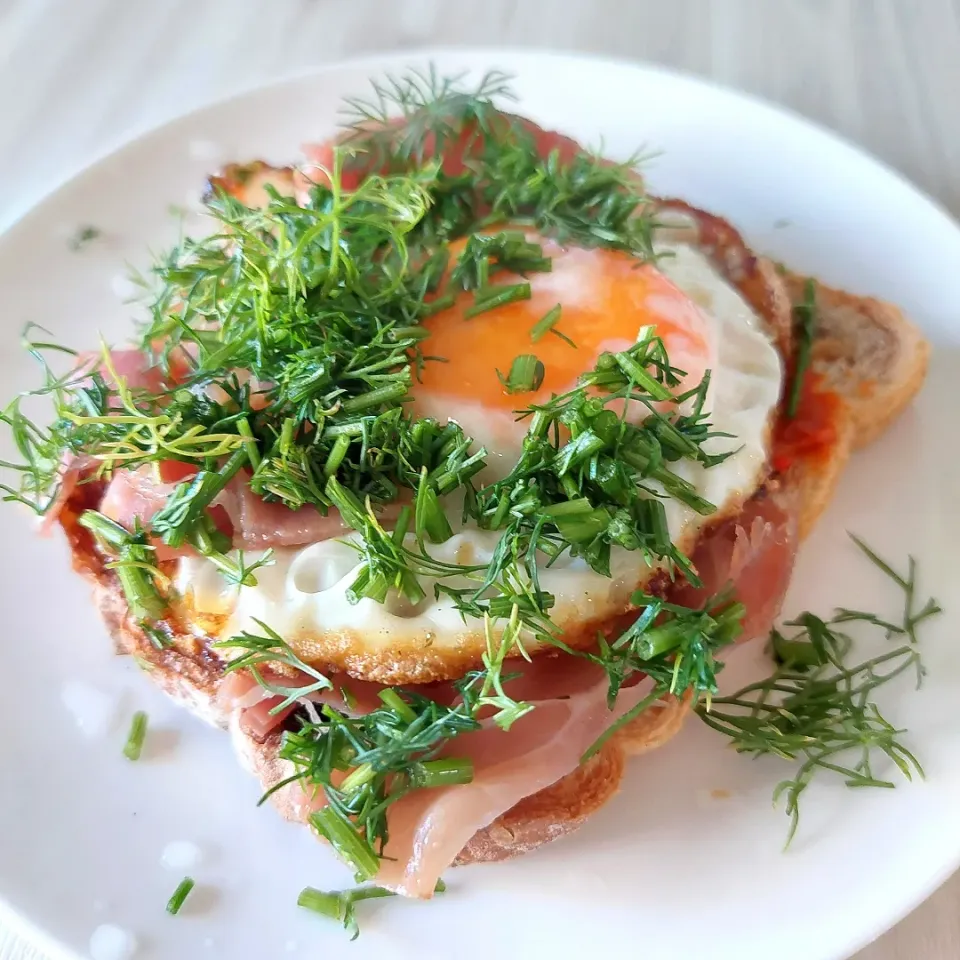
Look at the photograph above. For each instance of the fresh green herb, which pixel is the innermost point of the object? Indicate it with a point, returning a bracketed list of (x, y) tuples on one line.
[(430, 105), (133, 562), (138, 731), (599, 486), (484, 254), (490, 297), (266, 650), (83, 236), (546, 324), (674, 646), (180, 895), (912, 617), (805, 324), (339, 905), (526, 374), (817, 709)]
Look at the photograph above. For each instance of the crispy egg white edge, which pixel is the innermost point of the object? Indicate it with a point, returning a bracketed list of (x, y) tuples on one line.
[(303, 594)]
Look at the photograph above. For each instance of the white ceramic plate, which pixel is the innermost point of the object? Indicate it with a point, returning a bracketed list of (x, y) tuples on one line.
[(666, 869)]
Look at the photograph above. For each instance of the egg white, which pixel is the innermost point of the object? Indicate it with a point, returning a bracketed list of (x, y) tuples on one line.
[(303, 595)]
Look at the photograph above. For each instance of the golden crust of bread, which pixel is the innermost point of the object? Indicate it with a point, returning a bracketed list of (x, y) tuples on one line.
[(868, 352), (816, 478), (550, 814)]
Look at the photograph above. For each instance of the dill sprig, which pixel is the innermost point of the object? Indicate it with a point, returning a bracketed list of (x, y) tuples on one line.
[(817, 709), (340, 905), (435, 111)]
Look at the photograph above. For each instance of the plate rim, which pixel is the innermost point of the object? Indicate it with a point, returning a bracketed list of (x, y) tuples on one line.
[(490, 53), (386, 60)]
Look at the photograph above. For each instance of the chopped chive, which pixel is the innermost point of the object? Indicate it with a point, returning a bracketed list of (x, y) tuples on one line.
[(250, 443), (805, 318), (489, 298), (656, 516), (138, 730), (526, 374), (393, 701), (429, 519), (326, 904), (339, 904), (179, 895), (346, 840), (543, 326), (373, 398), (402, 525), (568, 508), (336, 456), (430, 307), (641, 377), (410, 333), (449, 771)]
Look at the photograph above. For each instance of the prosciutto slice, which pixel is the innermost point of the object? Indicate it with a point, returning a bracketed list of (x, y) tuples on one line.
[(261, 524), (754, 552), (429, 828), (254, 523), (135, 495), (240, 692)]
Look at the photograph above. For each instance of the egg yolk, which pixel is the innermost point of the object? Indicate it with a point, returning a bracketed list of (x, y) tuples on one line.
[(606, 297)]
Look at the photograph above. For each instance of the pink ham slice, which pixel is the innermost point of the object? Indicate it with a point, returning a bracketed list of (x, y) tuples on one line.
[(429, 828), (754, 552), (256, 524), (239, 691), (135, 495), (260, 524)]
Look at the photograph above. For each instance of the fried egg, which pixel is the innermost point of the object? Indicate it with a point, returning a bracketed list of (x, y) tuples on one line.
[(606, 298)]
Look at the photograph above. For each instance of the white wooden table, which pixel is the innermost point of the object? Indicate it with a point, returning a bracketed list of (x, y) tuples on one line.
[(76, 76)]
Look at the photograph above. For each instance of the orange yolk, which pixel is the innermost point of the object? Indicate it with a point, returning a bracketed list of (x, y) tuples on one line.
[(606, 297)]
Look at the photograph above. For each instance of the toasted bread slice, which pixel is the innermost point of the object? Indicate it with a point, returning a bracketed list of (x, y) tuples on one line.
[(816, 478), (867, 351)]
